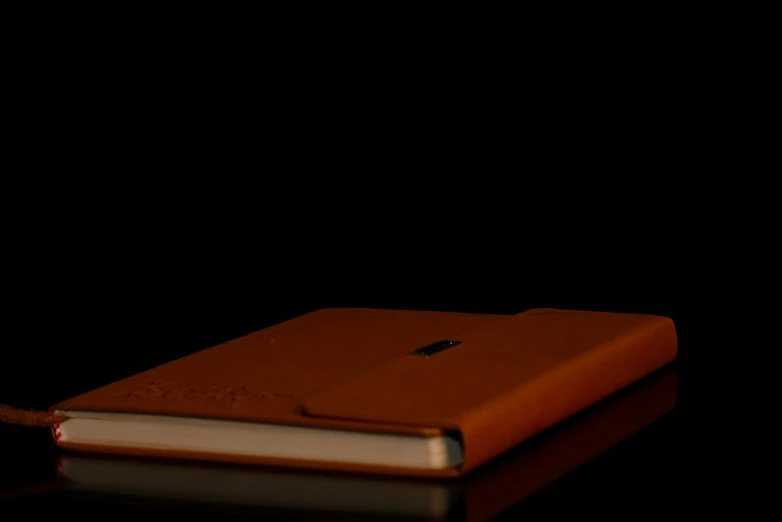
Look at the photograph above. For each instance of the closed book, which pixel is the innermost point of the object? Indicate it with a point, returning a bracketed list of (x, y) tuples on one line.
[(396, 392)]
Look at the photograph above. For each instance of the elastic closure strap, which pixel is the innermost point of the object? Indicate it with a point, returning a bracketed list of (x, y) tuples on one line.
[(25, 417)]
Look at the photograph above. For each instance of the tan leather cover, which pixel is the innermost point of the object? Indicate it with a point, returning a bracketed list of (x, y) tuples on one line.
[(511, 376)]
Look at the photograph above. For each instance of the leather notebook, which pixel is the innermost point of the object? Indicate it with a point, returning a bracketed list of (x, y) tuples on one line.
[(319, 495), (395, 392)]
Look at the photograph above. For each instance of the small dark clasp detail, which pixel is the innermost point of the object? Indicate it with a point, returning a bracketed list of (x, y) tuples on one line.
[(439, 346)]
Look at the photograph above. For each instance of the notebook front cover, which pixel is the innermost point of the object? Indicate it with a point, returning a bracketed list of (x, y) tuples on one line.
[(263, 376)]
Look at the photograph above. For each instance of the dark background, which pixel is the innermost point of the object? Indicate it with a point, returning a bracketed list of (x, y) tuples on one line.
[(154, 219), (111, 274)]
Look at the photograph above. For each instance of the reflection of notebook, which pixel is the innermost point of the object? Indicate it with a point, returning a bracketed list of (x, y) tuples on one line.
[(480, 496)]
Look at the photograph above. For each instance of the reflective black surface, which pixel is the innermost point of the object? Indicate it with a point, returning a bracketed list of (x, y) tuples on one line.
[(648, 450)]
